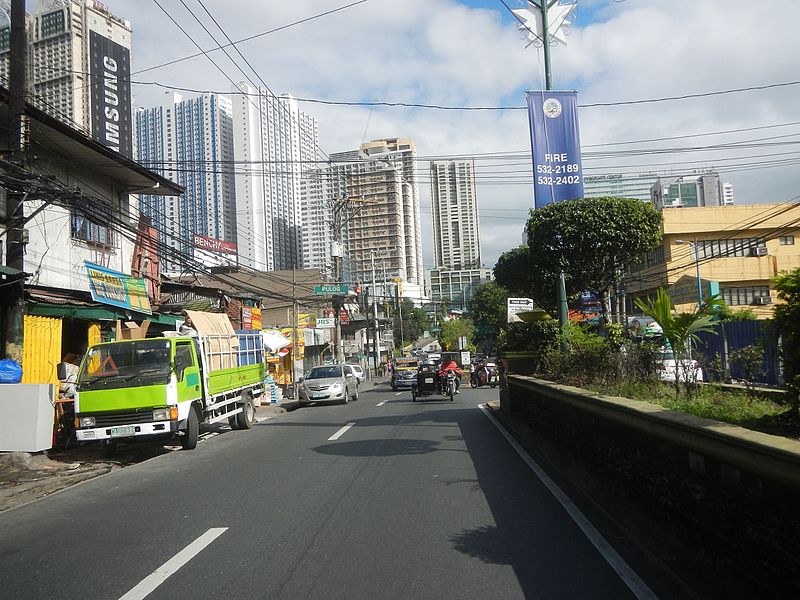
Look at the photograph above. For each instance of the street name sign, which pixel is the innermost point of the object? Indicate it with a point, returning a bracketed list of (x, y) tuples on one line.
[(335, 289)]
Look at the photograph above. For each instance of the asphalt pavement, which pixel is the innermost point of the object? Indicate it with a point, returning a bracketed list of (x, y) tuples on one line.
[(380, 498)]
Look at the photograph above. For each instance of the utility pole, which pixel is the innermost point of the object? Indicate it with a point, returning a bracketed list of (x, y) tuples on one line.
[(375, 351), (400, 313), (294, 332), (17, 140)]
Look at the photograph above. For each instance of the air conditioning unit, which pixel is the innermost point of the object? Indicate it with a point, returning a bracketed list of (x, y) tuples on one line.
[(677, 204), (760, 251), (762, 300)]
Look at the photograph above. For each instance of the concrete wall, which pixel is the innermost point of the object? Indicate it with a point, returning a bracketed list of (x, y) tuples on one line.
[(717, 503)]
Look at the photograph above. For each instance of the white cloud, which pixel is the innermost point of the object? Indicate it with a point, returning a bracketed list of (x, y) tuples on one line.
[(441, 52)]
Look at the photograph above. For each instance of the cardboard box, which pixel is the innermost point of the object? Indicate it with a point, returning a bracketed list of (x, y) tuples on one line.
[(129, 330)]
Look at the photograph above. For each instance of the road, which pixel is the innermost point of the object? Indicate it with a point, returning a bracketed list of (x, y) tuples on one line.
[(381, 498)]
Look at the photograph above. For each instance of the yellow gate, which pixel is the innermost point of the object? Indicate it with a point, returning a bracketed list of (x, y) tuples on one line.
[(42, 349)]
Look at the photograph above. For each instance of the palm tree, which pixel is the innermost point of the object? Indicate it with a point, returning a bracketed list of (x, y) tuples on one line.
[(680, 329)]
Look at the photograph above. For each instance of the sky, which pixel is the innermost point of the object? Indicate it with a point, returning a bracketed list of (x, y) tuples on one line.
[(468, 53)]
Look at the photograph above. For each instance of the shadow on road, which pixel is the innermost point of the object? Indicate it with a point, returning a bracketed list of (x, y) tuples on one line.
[(393, 447)]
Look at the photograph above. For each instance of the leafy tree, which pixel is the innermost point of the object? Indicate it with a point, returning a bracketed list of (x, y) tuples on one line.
[(749, 361), (454, 329), (596, 238), (487, 309), (523, 274), (415, 323), (680, 328), (787, 319)]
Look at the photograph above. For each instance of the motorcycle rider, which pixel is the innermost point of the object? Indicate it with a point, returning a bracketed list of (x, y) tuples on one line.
[(451, 366)]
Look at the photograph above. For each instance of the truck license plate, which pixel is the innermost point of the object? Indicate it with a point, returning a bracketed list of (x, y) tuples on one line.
[(429, 380), (122, 431)]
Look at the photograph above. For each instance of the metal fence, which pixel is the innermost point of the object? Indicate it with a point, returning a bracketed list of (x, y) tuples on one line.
[(732, 336)]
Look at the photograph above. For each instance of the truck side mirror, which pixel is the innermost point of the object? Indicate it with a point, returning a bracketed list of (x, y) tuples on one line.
[(61, 371)]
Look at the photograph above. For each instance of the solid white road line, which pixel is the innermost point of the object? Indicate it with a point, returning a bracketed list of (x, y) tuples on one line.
[(398, 393), (381, 403), (339, 433), (160, 575), (623, 570)]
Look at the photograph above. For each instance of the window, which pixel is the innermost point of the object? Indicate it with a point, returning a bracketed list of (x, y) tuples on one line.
[(737, 296), (787, 240), (83, 229)]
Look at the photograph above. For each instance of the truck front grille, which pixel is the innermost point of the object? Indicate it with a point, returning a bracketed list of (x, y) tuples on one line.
[(123, 418)]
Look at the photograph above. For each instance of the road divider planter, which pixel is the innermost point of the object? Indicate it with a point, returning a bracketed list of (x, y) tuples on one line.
[(718, 503)]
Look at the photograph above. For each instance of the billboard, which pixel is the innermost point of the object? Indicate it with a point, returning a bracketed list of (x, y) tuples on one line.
[(110, 72), (556, 146), (214, 245), (118, 289)]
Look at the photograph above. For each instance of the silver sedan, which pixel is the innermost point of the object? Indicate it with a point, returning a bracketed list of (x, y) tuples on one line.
[(329, 383)]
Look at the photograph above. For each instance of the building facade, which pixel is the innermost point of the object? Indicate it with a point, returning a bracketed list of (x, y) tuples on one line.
[(191, 143), (277, 148), (456, 231), (691, 191), (738, 250), (455, 288), (616, 185), (376, 190), (79, 68)]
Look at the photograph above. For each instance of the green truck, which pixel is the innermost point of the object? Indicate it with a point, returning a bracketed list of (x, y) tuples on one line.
[(168, 386)]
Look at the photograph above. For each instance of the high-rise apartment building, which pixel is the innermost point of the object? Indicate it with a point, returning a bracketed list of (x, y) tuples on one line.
[(79, 68), (383, 219), (191, 143), (456, 233), (687, 191), (275, 145)]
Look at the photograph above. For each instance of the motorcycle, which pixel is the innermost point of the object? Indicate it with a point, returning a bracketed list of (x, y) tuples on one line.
[(483, 375)]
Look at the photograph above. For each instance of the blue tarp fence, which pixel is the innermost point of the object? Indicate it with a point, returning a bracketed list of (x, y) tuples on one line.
[(733, 336)]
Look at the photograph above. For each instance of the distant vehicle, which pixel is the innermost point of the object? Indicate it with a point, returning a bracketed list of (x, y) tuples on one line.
[(668, 368), (358, 371), (404, 372), (329, 383)]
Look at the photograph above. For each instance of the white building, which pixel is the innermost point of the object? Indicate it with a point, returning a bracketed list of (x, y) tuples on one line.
[(455, 288), (79, 68), (456, 232), (687, 191), (275, 145), (191, 143)]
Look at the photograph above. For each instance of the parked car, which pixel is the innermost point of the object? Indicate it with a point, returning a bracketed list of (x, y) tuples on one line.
[(358, 371), (329, 383)]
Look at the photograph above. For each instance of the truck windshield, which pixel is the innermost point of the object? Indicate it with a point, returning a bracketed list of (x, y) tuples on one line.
[(125, 364)]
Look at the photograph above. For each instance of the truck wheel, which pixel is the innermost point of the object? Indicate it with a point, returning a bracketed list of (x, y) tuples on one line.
[(246, 418), (189, 437)]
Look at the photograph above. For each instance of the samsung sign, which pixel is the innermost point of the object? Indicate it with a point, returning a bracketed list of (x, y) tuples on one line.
[(110, 68)]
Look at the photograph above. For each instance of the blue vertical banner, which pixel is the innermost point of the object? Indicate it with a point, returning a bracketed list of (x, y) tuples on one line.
[(556, 146)]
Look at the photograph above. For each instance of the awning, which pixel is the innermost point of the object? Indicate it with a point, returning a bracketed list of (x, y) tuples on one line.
[(94, 313), (274, 340)]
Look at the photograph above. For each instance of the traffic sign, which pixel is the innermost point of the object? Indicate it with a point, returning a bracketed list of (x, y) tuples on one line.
[(333, 289)]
